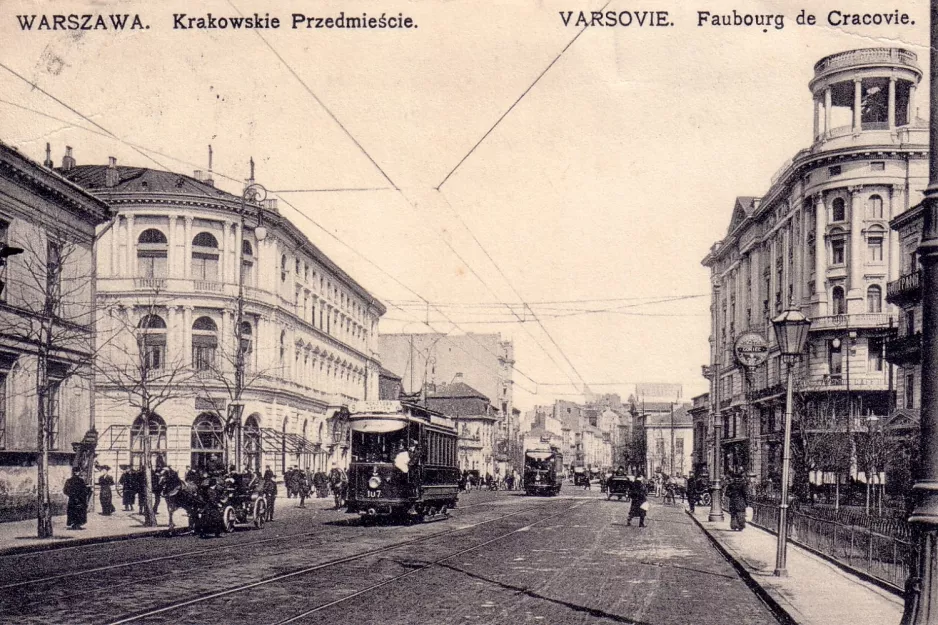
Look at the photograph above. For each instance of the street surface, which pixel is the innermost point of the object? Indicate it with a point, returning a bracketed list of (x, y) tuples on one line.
[(500, 558)]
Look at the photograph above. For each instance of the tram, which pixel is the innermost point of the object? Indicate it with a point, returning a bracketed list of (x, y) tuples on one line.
[(543, 471), (404, 461)]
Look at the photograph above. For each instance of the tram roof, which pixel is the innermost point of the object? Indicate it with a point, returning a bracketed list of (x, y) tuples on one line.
[(390, 415)]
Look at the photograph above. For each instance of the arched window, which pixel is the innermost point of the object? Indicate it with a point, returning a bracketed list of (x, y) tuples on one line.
[(874, 207), (874, 299), (151, 340), (204, 343), (251, 440), (157, 428), (205, 257), (283, 268), (838, 301), (208, 441), (152, 251), (283, 346), (838, 210), (247, 261)]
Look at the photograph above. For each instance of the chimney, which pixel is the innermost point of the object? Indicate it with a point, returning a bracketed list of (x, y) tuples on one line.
[(48, 162), (68, 161), (111, 176), (197, 174), (457, 378), (208, 180)]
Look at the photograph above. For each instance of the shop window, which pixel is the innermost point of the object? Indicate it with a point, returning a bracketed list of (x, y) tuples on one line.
[(208, 441)]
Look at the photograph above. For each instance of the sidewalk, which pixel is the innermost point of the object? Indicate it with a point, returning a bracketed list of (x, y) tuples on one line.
[(816, 592)]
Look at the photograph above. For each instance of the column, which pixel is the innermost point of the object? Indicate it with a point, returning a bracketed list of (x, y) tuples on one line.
[(856, 243), (911, 107), (857, 105), (186, 356), (113, 235), (171, 247), (895, 249), (237, 246), (173, 336), (817, 118), (827, 111), (186, 262), (130, 267), (223, 272), (892, 103), (820, 250)]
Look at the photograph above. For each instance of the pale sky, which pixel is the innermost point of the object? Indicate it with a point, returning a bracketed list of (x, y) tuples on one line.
[(603, 187)]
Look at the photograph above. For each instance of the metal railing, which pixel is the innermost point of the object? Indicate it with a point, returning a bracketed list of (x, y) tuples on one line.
[(882, 548)]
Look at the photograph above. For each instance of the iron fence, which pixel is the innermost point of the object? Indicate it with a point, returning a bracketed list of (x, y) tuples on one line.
[(882, 548)]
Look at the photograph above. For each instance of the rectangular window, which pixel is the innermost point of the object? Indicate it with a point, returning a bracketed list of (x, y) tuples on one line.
[(876, 354), (205, 267), (878, 166), (203, 356), (834, 358), (838, 252), (910, 390), (834, 171), (152, 265), (875, 249), (909, 322)]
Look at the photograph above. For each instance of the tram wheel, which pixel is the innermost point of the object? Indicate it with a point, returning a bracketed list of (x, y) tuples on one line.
[(229, 520)]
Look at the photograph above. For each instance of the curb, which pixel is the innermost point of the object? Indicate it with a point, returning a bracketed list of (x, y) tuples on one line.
[(77, 542), (779, 611)]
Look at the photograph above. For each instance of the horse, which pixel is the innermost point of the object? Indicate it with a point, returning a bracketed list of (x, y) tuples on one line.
[(179, 494)]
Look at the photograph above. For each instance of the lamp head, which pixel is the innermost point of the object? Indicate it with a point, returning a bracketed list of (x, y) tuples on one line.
[(791, 332), (260, 233)]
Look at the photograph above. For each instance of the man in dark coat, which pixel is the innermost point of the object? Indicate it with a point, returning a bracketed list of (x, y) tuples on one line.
[(270, 492), (77, 492), (639, 496), (692, 492), (738, 494), (128, 494), (105, 482)]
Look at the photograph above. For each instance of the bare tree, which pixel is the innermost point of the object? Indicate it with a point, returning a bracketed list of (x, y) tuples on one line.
[(48, 312), (135, 365), (819, 438)]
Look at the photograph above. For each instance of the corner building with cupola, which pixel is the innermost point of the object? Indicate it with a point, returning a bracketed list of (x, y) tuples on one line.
[(168, 299), (819, 239)]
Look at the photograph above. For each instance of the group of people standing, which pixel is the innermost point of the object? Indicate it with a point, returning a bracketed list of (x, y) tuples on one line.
[(301, 483), (470, 481)]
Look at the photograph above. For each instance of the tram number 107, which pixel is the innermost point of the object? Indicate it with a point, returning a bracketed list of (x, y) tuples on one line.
[(374, 493)]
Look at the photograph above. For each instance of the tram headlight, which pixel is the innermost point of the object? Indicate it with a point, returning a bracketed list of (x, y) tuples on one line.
[(374, 482)]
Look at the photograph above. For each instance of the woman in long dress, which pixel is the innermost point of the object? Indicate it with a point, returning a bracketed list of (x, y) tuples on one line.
[(105, 482)]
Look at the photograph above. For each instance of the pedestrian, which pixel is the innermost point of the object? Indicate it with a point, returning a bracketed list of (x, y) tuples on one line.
[(737, 492), (335, 482), (156, 488), (105, 482), (140, 488), (639, 506), (268, 474), (510, 481), (77, 492), (302, 487), (128, 494), (270, 492), (692, 492)]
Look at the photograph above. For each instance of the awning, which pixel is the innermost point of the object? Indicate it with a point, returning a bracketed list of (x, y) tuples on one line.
[(275, 440), (538, 454), (376, 424)]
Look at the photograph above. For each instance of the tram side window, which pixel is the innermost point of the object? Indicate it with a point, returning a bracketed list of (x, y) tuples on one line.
[(377, 447)]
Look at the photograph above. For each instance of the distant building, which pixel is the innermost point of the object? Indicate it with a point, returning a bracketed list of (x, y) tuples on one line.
[(389, 384), (669, 441)]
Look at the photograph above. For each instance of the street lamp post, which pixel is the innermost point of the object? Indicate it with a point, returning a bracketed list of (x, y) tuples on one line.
[(791, 333), (255, 194), (716, 490)]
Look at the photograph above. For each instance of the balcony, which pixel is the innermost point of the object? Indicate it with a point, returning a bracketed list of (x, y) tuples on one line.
[(207, 285), (150, 284), (859, 320), (840, 382), (905, 350), (866, 56), (906, 290)]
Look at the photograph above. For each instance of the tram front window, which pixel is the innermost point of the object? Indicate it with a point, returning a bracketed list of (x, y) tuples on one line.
[(377, 447), (538, 465)]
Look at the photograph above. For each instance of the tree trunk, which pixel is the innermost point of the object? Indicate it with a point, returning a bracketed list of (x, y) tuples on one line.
[(149, 516), (44, 498)]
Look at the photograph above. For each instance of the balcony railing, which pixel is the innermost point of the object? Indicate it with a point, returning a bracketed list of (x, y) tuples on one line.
[(851, 58), (904, 350), (150, 284), (859, 320), (838, 381), (907, 289), (207, 285)]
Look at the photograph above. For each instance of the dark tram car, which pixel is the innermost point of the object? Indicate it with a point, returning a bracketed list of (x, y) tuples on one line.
[(543, 471), (404, 462)]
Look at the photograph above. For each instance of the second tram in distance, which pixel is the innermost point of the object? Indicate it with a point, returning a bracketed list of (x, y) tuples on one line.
[(543, 471), (404, 461)]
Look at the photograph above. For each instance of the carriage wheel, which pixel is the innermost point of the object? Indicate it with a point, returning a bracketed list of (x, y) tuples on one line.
[(260, 513), (230, 518)]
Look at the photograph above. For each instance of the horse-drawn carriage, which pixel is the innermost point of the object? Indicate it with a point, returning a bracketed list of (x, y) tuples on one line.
[(581, 476), (217, 503)]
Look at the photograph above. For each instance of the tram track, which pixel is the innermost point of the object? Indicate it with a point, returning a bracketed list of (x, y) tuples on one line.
[(290, 538), (291, 575)]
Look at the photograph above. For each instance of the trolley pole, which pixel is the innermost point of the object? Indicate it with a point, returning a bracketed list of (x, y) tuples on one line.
[(921, 589)]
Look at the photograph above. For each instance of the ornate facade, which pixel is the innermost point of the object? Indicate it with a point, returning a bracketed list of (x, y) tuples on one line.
[(820, 239), (168, 295)]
